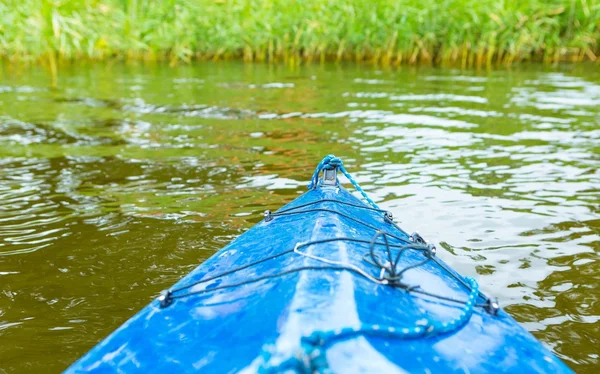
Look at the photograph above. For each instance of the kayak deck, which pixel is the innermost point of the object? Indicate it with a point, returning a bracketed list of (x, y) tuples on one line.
[(307, 290)]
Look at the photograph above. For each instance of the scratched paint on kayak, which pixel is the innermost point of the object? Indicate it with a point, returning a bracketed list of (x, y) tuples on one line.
[(226, 331)]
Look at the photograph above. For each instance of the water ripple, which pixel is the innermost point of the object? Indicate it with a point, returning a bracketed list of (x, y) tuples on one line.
[(120, 181)]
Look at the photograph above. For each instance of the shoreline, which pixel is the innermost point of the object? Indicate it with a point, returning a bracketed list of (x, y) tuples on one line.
[(454, 33)]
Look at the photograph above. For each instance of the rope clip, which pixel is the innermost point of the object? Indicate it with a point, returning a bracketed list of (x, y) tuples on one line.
[(492, 306), (388, 217), (165, 299), (268, 215), (431, 251), (416, 238)]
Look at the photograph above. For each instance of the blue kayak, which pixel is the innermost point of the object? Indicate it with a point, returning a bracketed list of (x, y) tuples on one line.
[(326, 284)]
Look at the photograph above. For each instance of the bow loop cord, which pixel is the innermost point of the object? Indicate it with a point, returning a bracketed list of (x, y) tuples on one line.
[(333, 162)]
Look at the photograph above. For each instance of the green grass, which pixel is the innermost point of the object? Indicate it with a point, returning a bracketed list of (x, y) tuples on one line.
[(388, 32)]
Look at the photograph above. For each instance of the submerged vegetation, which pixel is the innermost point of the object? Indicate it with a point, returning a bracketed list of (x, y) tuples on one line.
[(388, 32)]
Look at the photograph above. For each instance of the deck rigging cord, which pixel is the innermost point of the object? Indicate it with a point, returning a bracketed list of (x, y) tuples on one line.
[(175, 293), (311, 357)]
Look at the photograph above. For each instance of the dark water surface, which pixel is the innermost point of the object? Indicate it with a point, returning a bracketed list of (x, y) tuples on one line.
[(123, 179)]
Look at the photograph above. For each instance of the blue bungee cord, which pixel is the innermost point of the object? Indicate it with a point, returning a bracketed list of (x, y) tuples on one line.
[(311, 357), (332, 162)]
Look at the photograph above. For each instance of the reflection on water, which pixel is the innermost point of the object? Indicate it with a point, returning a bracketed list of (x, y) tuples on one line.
[(118, 183)]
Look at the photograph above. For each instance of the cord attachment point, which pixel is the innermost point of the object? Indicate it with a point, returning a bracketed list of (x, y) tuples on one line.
[(329, 177), (165, 299), (417, 239), (268, 215), (430, 251), (388, 217), (492, 306)]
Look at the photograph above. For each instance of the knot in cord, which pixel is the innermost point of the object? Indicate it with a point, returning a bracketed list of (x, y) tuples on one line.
[(332, 162), (389, 266), (310, 358)]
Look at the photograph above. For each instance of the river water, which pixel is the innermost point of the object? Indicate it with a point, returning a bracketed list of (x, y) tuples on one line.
[(122, 179)]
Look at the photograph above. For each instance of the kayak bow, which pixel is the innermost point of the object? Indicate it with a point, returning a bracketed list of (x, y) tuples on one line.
[(327, 284)]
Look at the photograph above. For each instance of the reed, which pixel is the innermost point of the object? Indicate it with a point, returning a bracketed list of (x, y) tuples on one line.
[(466, 33)]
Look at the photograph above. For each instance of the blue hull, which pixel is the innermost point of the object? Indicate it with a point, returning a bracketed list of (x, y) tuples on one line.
[(353, 317)]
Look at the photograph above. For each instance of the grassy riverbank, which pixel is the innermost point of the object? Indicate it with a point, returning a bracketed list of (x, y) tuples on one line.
[(449, 32)]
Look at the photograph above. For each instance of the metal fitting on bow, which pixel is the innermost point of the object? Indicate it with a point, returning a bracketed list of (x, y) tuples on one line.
[(492, 306), (165, 299), (417, 239), (268, 215), (388, 217)]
